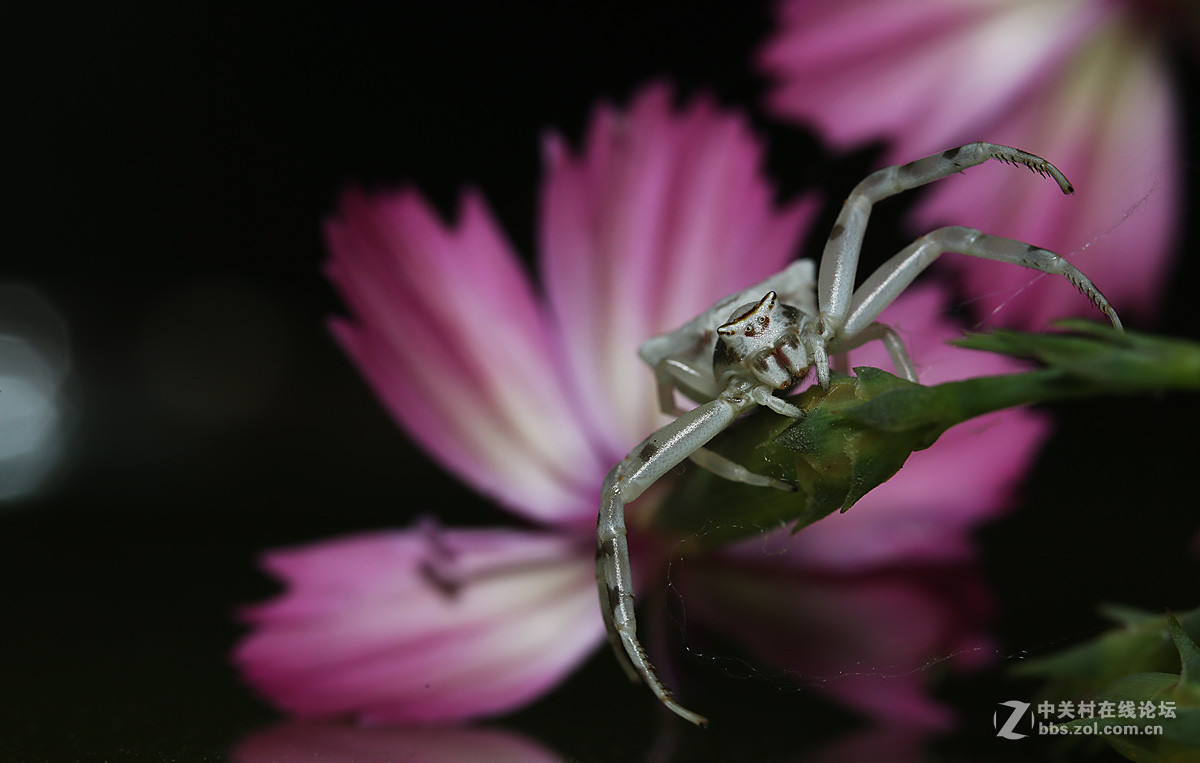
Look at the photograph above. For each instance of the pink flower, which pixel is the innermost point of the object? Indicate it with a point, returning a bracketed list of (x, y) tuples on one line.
[(339, 743), (1083, 83), (531, 397)]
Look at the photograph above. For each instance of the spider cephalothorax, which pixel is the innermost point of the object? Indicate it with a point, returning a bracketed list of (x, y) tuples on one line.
[(770, 340), (768, 343)]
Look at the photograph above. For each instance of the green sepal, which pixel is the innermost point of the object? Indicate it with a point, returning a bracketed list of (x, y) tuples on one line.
[(831, 458), (858, 433)]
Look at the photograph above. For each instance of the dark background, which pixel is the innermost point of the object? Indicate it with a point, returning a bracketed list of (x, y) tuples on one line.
[(169, 166)]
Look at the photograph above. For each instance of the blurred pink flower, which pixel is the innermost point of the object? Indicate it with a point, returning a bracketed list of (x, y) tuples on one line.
[(341, 743), (890, 743), (530, 398), (1083, 83)]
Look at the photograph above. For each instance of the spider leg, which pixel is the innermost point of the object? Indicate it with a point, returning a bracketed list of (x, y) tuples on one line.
[(892, 342), (894, 276), (735, 472), (672, 374), (839, 261), (840, 363), (649, 461), (687, 379)]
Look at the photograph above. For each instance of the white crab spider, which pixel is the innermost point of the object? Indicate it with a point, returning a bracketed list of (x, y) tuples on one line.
[(746, 347)]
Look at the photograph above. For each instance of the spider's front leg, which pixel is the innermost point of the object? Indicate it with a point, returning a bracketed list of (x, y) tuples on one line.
[(645, 465), (848, 314), (839, 260), (893, 276)]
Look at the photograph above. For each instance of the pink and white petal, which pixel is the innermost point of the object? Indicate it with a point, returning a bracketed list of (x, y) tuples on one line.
[(451, 337), (916, 74), (926, 512), (425, 625), (870, 641), (1079, 83), (890, 743), (662, 213), (1110, 122), (345, 743)]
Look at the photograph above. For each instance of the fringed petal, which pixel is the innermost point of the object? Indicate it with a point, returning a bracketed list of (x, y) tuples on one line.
[(426, 625), (1080, 82), (917, 73), (1110, 122), (663, 212), (448, 332)]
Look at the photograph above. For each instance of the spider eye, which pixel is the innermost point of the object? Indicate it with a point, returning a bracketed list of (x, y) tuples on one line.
[(750, 330), (763, 320)]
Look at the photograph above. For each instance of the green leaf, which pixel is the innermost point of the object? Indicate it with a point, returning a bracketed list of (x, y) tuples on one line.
[(1146, 659), (1142, 643), (1115, 361), (1189, 654), (1179, 738)]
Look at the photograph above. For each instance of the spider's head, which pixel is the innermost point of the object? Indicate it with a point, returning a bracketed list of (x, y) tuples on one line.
[(762, 339)]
